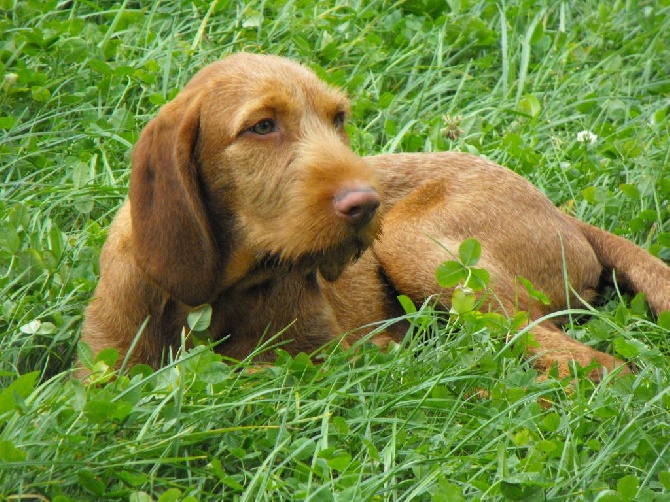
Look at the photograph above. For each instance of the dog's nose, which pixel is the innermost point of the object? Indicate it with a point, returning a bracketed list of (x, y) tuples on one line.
[(356, 206)]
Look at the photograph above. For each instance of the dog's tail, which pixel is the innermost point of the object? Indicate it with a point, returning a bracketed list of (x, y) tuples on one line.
[(632, 265)]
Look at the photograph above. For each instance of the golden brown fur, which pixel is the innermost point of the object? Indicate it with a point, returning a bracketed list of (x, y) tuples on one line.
[(263, 220)]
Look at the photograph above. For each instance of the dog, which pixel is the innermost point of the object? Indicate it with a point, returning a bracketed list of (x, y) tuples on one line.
[(244, 194)]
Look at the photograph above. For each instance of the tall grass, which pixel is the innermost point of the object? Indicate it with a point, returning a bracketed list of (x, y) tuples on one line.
[(515, 81)]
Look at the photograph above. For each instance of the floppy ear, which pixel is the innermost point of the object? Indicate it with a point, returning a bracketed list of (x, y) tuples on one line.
[(172, 242)]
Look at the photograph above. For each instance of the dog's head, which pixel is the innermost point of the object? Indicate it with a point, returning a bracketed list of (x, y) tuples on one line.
[(249, 168)]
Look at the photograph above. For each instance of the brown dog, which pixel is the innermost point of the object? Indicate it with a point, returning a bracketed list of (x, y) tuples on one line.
[(245, 195)]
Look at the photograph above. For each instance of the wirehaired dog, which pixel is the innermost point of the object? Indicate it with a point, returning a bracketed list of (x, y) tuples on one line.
[(244, 194)]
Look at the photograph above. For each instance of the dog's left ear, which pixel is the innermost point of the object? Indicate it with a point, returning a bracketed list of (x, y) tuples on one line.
[(172, 241)]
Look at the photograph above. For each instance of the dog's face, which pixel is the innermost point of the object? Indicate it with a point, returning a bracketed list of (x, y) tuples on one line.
[(248, 169)]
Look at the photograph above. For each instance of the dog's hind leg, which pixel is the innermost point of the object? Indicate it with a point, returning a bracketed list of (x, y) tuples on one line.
[(417, 237)]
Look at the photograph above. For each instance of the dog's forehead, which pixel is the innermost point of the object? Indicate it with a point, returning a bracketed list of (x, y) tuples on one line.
[(252, 77)]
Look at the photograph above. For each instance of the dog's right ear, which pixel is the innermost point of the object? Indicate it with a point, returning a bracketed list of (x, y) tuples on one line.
[(172, 241)]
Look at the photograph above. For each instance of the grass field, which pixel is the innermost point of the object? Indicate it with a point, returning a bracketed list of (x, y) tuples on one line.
[(573, 95)]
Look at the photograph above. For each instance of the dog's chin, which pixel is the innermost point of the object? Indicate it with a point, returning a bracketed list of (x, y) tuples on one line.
[(332, 271), (334, 260), (330, 262)]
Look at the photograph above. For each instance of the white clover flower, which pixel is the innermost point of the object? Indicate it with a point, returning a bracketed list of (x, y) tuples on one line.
[(10, 79), (586, 137)]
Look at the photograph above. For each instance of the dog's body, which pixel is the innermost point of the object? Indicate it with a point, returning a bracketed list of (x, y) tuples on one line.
[(244, 194)]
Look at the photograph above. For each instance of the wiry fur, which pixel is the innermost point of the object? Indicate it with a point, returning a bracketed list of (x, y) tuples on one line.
[(220, 214)]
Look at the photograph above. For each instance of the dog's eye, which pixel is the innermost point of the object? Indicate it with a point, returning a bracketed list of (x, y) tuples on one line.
[(339, 119), (265, 126)]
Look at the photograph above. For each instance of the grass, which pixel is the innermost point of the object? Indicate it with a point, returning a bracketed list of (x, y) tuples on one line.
[(515, 81)]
